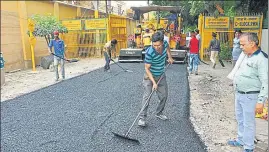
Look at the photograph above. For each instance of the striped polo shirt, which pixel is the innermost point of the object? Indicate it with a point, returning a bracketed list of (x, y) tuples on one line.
[(156, 60)]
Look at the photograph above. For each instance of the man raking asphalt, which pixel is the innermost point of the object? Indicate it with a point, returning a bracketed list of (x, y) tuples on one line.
[(154, 80)]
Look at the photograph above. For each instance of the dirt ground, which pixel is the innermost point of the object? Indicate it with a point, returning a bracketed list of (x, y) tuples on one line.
[(212, 109)]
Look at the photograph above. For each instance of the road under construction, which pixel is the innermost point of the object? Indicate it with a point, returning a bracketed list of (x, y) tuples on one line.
[(80, 113)]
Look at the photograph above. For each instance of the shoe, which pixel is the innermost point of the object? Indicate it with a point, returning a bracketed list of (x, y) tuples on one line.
[(231, 84), (196, 73), (214, 65), (234, 143), (141, 123), (56, 80), (248, 150), (63, 78), (162, 117), (190, 72)]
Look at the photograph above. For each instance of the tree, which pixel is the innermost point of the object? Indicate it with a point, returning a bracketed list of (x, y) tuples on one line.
[(46, 25), (185, 6), (191, 9)]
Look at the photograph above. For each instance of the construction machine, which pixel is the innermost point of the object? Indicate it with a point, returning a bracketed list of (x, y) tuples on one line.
[(172, 24)]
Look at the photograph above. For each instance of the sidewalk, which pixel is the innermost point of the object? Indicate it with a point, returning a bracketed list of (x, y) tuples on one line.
[(26, 81), (212, 110)]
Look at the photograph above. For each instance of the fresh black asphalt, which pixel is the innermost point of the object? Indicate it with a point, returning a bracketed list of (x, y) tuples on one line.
[(78, 115)]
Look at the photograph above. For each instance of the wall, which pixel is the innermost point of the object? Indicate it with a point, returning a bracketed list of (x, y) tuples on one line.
[(11, 44), (47, 7), (41, 48), (14, 39), (264, 43), (67, 12)]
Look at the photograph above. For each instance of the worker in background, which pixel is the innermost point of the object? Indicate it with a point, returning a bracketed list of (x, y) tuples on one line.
[(172, 26), (194, 52), (198, 37), (138, 36), (146, 38), (236, 46), (251, 90), (166, 37), (109, 49), (155, 60), (214, 47), (59, 53)]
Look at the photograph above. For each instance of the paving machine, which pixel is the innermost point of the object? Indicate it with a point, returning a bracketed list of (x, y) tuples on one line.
[(172, 24)]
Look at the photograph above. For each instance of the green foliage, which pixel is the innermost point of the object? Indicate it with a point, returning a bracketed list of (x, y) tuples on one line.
[(163, 14), (191, 9), (230, 12), (189, 28), (229, 8), (46, 25), (226, 52), (196, 7), (184, 6)]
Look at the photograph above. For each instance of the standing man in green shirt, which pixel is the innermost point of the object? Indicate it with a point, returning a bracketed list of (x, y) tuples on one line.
[(251, 90)]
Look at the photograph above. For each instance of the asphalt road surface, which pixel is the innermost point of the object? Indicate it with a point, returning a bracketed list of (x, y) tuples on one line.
[(78, 115)]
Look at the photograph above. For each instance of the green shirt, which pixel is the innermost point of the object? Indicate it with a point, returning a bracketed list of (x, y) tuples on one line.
[(252, 75)]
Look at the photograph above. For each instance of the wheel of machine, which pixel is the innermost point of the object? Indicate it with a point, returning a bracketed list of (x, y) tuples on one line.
[(119, 60), (46, 61)]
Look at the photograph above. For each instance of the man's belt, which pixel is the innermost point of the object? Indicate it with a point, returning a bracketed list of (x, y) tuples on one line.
[(250, 92)]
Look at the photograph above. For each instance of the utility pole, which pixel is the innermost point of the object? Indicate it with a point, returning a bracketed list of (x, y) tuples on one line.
[(106, 8), (148, 12)]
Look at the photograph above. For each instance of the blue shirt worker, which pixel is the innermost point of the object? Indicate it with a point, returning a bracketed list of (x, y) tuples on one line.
[(155, 59), (251, 90), (59, 50)]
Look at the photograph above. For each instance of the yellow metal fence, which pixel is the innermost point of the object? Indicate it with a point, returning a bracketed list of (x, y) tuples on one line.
[(225, 26), (87, 37)]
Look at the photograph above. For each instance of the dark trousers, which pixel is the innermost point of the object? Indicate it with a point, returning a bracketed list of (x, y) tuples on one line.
[(162, 93), (107, 59)]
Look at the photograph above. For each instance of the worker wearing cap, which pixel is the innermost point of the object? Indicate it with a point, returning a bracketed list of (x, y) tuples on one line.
[(215, 49), (146, 38), (59, 50), (109, 49)]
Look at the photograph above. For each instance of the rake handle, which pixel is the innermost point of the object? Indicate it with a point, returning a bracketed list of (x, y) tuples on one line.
[(60, 57), (127, 133), (118, 64)]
